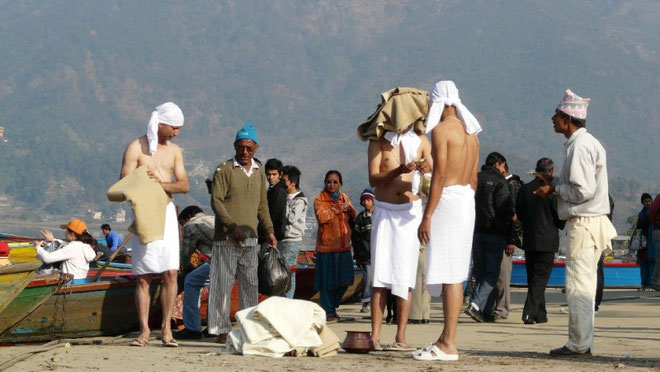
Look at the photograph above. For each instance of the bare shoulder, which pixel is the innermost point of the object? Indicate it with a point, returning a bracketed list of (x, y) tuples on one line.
[(376, 146), (174, 148), (136, 146)]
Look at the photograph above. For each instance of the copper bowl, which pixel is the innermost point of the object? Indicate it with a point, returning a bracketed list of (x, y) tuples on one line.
[(358, 342)]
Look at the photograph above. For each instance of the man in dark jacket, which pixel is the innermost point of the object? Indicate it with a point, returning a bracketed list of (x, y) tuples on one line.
[(541, 225), (502, 292), (494, 210), (277, 196)]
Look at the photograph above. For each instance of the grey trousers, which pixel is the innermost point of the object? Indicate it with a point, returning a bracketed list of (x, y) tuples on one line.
[(421, 299), (229, 263), (502, 290)]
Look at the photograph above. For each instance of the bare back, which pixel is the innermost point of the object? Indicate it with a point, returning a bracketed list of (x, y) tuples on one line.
[(457, 152), (383, 159)]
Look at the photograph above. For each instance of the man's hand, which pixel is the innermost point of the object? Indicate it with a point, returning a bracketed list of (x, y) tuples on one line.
[(424, 231), (509, 249), (544, 178), (237, 235), (407, 168), (272, 241), (425, 167), (544, 190), (48, 235), (154, 177)]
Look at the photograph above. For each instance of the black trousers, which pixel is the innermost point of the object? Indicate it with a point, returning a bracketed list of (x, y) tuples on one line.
[(600, 282), (539, 266)]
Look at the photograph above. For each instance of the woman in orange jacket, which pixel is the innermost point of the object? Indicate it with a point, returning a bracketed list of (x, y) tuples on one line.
[(334, 264)]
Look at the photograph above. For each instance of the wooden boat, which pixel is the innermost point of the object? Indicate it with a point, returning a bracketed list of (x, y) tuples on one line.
[(34, 294), (616, 274), (103, 308), (13, 279)]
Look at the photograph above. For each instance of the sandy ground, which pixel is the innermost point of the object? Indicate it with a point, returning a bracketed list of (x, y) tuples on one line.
[(627, 338)]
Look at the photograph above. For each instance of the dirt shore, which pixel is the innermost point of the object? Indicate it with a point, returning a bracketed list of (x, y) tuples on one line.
[(627, 338)]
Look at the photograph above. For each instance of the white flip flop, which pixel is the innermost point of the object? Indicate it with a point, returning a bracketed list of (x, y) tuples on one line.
[(432, 352)]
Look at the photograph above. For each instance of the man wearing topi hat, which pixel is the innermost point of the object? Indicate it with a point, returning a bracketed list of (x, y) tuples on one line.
[(164, 161), (238, 198), (583, 203)]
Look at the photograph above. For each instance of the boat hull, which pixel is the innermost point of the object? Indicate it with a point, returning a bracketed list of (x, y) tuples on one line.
[(34, 294), (616, 274), (13, 279), (104, 308)]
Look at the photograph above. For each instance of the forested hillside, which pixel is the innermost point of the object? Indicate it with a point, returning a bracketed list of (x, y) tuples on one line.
[(79, 79)]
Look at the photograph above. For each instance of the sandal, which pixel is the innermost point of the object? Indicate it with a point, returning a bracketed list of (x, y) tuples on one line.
[(433, 352), (398, 346), (170, 343), (139, 343)]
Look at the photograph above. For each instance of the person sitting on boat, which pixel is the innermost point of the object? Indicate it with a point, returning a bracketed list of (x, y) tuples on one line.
[(75, 254)]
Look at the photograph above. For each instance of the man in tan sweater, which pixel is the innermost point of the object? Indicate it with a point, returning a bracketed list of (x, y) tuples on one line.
[(238, 198)]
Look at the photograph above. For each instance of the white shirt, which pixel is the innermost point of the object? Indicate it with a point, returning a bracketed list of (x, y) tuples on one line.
[(253, 166), (582, 186), (76, 257)]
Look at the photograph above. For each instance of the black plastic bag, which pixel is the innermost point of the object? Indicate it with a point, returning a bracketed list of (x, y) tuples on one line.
[(273, 273)]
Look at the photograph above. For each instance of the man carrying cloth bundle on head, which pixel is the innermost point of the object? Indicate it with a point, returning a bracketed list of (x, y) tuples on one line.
[(583, 202), (398, 151), (164, 162), (448, 222)]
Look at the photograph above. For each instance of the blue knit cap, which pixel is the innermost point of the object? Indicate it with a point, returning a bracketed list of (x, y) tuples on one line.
[(247, 132)]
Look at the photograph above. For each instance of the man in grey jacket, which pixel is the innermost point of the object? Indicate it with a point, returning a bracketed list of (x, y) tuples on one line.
[(294, 224)]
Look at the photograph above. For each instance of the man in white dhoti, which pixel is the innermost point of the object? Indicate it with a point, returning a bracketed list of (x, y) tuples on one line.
[(583, 202), (395, 156), (164, 161), (448, 221)]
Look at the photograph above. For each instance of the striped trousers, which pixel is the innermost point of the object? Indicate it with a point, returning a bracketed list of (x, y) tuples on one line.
[(228, 263)]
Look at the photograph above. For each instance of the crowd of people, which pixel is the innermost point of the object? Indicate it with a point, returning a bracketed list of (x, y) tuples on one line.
[(408, 244)]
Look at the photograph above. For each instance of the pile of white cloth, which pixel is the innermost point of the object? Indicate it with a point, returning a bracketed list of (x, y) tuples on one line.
[(277, 326)]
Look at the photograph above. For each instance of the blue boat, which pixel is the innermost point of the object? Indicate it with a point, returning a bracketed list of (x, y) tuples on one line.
[(617, 274)]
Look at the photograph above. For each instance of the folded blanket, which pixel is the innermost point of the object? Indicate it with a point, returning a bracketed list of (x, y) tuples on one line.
[(148, 200), (277, 326), (399, 108)]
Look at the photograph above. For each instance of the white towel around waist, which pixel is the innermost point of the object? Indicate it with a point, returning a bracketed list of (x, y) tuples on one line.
[(159, 255), (450, 245), (395, 246)]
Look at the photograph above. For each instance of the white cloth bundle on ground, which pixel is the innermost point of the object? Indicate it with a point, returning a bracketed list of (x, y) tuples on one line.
[(276, 326), (395, 246), (450, 244)]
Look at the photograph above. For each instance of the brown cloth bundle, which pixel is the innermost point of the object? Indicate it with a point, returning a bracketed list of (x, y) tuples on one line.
[(328, 348), (400, 107), (148, 200)]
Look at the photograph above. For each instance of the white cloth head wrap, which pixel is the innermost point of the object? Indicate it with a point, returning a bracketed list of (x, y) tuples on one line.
[(444, 93), (167, 113), (574, 105)]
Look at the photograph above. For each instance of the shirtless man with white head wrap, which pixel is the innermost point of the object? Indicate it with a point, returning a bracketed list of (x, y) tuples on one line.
[(448, 222), (165, 163), (393, 158)]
